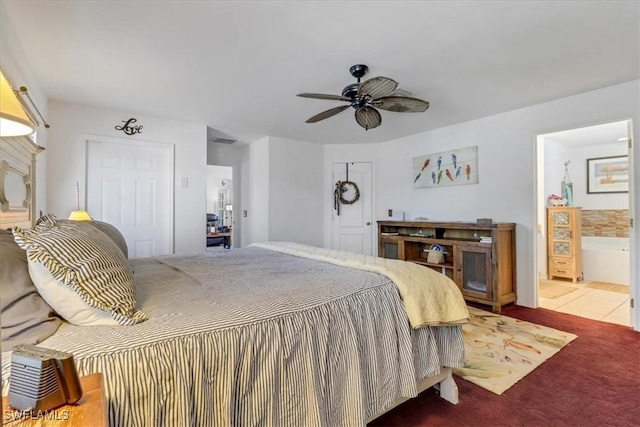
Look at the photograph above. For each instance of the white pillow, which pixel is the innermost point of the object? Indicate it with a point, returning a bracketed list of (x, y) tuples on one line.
[(65, 301), (87, 263)]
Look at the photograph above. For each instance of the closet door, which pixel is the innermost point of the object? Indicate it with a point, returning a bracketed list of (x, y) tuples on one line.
[(129, 186)]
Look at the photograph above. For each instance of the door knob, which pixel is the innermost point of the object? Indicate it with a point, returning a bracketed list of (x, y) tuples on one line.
[(368, 223)]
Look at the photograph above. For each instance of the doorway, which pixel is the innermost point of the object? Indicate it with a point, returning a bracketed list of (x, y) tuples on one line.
[(220, 217), (565, 170)]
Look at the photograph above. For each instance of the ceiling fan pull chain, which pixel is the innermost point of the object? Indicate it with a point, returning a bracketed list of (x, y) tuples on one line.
[(347, 167)]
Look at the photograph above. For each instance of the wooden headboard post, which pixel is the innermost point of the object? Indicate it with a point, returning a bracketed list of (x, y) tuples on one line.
[(18, 181)]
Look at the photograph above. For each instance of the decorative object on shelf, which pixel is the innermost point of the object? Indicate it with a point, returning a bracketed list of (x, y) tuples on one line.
[(14, 120), (566, 185), (342, 188), (129, 127), (379, 92), (456, 167), (79, 215), (608, 175), (436, 254), (555, 200)]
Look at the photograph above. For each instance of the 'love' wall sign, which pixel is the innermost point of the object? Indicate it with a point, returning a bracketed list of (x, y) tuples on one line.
[(129, 127)]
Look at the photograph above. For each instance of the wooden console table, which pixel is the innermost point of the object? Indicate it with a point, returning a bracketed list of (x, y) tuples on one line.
[(479, 258), (90, 410)]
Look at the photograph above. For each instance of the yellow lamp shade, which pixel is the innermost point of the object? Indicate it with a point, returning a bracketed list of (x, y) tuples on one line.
[(80, 216), (13, 120)]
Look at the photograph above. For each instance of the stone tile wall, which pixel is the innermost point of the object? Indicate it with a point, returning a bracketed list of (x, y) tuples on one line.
[(605, 223)]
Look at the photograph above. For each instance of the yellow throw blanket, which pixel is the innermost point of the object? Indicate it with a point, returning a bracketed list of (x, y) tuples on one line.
[(430, 298)]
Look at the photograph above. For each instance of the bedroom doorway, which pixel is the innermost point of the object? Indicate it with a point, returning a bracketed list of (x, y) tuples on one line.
[(129, 185), (603, 291), (220, 218)]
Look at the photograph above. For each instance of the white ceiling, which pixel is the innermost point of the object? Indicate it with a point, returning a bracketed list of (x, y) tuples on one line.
[(237, 66)]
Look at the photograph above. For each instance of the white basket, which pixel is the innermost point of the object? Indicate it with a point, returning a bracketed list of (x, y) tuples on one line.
[(436, 255)]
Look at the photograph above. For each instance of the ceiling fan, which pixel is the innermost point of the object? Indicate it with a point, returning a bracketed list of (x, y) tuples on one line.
[(378, 92)]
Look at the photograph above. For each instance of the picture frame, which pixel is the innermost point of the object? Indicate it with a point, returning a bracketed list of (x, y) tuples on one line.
[(608, 175), (447, 168)]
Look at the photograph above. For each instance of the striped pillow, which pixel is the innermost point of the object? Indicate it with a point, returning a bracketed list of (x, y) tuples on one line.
[(88, 262)]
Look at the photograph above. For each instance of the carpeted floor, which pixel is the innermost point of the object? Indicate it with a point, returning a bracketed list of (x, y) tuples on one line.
[(594, 381), (501, 350)]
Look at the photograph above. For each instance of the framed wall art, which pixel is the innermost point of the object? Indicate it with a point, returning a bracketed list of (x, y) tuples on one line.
[(454, 167), (608, 175)]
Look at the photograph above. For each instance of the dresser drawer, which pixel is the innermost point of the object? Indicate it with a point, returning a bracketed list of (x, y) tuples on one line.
[(562, 271), (562, 262)]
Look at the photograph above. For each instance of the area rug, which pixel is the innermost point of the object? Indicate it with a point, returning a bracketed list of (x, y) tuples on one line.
[(553, 290), (500, 350), (612, 287)]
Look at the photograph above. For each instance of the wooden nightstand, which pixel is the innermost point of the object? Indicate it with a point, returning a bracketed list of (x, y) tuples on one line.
[(91, 409)]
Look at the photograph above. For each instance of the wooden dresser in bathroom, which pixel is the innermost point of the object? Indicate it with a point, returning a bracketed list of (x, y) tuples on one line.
[(564, 242)]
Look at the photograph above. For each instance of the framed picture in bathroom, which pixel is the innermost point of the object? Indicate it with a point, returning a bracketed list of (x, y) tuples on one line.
[(608, 175)]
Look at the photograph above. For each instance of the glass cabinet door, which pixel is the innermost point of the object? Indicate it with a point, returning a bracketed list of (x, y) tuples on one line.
[(390, 250), (474, 272)]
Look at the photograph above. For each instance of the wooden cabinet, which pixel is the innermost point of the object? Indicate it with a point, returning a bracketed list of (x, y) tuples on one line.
[(479, 258), (564, 242)]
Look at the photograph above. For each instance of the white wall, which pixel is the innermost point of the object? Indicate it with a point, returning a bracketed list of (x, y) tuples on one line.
[(71, 124), (285, 192), (555, 155), (506, 163), (295, 191), (256, 224)]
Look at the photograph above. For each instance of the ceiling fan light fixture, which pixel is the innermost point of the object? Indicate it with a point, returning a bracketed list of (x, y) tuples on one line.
[(380, 92)]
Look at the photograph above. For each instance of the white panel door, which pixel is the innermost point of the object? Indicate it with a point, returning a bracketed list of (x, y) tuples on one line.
[(129, 186), (352, 224)]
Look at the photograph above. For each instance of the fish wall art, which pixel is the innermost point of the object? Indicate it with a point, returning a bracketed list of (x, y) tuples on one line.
[(455, 167)]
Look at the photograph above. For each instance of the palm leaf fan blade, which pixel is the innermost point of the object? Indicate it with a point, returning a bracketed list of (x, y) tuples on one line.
[(401, 104), (377, 87), (323, 96), (326, 114), (368, 117)]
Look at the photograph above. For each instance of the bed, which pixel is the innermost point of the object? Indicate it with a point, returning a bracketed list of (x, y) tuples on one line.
[(255, 336), (273, 334)]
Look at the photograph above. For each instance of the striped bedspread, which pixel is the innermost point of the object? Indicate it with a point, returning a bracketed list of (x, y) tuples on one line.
[(253, 337)]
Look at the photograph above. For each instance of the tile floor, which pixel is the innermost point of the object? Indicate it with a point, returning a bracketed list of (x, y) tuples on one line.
[(606, 306)]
